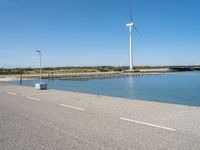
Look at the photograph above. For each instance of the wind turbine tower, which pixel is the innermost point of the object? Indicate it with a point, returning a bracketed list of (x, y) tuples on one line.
[(131, 26)]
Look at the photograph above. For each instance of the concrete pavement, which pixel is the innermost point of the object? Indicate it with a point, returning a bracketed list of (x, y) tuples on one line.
[(31, 119)]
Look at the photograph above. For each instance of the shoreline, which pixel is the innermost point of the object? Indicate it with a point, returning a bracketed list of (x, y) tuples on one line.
[(105, 97), (121, 98), (95, 75)]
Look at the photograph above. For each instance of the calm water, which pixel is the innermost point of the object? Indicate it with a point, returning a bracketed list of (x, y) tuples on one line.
[(175, 88)]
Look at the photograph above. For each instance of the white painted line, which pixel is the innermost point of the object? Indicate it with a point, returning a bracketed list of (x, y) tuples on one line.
[(33, 98), (63, 105), (148, 124), (11, 93)]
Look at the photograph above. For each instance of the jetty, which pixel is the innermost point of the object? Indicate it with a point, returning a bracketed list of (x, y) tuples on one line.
[(102, 76)]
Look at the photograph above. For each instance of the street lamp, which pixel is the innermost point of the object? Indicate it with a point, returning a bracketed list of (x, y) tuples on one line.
[(40, 65), (40, 86)]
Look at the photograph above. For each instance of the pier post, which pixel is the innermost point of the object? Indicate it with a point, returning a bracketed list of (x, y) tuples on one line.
[(21, 78), (48, 76)]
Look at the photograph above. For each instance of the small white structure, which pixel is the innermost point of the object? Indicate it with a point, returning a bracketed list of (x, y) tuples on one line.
[(40, 86)]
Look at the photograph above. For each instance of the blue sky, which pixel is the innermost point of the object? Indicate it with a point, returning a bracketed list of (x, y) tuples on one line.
[(93, 32)]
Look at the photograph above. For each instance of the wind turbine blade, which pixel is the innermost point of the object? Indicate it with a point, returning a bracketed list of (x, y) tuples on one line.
[(130, 11), (136, 29)]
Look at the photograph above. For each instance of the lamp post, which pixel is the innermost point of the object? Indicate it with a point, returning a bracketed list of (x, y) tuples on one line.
[(40, 86), (40, 65)]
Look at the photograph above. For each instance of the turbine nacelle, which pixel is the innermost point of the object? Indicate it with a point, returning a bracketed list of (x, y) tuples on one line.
[(130, 24)]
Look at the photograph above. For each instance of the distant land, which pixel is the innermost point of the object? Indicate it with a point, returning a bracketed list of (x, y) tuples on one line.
[(93, 69)]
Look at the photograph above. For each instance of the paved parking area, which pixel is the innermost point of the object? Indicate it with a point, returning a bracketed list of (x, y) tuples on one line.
[(32, 119)]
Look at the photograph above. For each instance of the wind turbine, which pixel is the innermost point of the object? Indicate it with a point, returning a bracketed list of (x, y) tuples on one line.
[(131, 26)]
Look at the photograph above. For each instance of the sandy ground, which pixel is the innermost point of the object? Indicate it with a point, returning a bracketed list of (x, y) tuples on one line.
[(7, 78)]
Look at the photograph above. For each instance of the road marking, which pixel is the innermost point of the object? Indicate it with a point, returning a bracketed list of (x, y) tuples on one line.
[(33, 98), (63, 105), (148, 124), (11, 93)]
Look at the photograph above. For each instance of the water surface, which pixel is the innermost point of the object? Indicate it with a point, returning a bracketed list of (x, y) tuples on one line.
[(181, 89)]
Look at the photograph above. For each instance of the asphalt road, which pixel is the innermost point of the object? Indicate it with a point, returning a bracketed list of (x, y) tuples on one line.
[(57, 120)]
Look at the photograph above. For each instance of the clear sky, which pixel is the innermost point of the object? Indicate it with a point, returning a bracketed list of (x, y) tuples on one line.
[(93, 32)]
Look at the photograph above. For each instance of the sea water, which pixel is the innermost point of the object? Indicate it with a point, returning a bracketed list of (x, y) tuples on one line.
[(183, 88)]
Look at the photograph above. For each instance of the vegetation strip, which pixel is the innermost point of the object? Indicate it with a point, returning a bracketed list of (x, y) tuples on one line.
[(63, 70)]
